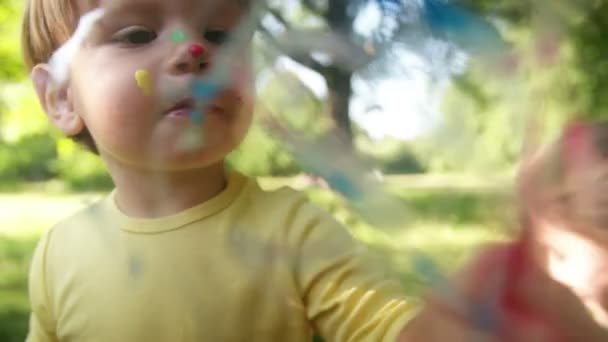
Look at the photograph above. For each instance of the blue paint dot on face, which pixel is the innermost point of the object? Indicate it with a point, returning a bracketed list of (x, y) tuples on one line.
[(204, 91)]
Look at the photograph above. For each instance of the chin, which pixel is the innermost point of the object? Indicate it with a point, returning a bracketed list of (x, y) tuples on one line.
[(173, 154), (196, 159)]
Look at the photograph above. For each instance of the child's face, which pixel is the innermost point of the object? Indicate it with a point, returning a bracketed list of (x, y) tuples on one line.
[(136, 69)]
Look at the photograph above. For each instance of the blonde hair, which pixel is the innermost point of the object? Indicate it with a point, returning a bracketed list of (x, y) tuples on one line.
[(48, 24)]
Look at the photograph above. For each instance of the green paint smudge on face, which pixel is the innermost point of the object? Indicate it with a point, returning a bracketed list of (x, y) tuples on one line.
[(178, 36)]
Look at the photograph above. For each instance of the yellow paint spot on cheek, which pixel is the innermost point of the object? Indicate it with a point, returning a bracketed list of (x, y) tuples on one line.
[(144, 81)]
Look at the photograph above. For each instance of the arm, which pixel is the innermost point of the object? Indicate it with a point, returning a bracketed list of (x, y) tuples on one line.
[(347, 296), (42, 324), (432, 325)]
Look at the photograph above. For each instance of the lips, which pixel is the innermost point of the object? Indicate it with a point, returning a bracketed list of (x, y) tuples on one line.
[(182, 108), (189, 109)]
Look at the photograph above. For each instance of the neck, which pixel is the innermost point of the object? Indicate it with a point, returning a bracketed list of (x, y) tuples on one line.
[(152, 194)]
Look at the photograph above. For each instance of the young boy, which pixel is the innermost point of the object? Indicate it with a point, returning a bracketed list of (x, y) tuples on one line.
[(184, 250)]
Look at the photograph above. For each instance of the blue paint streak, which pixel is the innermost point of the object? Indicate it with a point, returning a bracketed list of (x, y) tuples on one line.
[(344, 186), (197, 117), (204, 91), (482, 315), (431, 273), (463, 27), (390, 7)]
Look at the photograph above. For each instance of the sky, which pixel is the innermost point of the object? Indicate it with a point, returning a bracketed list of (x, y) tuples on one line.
[(401, 107)]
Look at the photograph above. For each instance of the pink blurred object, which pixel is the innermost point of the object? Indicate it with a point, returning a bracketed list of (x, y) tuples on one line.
[(564, 190)]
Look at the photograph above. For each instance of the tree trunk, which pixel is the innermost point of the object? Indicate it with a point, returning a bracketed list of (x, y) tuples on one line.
[(339, 79), (340, 92)]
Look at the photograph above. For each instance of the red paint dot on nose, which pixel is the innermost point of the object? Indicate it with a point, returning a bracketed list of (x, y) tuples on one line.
[(196, 50)]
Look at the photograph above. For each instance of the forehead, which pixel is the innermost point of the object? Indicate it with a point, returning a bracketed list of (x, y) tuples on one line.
[(165, 7)]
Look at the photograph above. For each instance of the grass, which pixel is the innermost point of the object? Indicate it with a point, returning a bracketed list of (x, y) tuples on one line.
[(14, 260), (23, 217), (446, 222)]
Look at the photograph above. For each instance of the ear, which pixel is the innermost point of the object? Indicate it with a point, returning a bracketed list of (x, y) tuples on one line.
[(56, 101)]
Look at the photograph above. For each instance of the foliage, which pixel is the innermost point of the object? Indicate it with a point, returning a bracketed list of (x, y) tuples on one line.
[(555, 89), (30, 150), (26, 145), (483, 128), (15, 254), (12, 68), (592, 51), (28, 159), (79, 168), (261, 155), (557, 74), (392, 156)]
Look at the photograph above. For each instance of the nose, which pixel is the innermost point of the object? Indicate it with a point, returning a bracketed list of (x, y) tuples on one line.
[(189, 58), (196, 50)]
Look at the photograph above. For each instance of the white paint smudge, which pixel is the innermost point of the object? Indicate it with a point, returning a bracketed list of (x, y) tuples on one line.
[(62, 58)]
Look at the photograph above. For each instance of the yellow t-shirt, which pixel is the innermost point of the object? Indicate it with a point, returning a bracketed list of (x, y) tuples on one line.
[(247, 265)]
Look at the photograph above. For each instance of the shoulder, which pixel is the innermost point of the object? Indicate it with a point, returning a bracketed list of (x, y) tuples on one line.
[(290, 214), (93, 214), (77, 230), (285, 204), (58, 246)]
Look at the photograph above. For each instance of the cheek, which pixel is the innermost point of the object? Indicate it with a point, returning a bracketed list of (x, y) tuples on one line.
[(115, 108), (244, 83), (228, 132), (246, 118)]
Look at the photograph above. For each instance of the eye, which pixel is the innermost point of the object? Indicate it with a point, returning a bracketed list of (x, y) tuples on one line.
[(136, 36), (218, 37)]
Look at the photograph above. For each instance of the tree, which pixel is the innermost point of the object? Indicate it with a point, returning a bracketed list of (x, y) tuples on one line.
[(332, 32), (328, 26), (11, 68), (577, 84), (581, 26), (589, 38)]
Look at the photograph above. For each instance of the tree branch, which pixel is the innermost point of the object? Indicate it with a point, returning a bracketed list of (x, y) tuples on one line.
[(275, 13), (311, 6), (304, 59)]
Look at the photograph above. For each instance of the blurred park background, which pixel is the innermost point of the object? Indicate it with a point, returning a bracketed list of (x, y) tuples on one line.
[(456, 178)]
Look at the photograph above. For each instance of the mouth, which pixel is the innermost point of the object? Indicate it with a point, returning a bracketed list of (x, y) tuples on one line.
[(187, 108), (182, 108)]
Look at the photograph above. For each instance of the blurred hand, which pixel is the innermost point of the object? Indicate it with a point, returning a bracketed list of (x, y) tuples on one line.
[(531, 307)]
